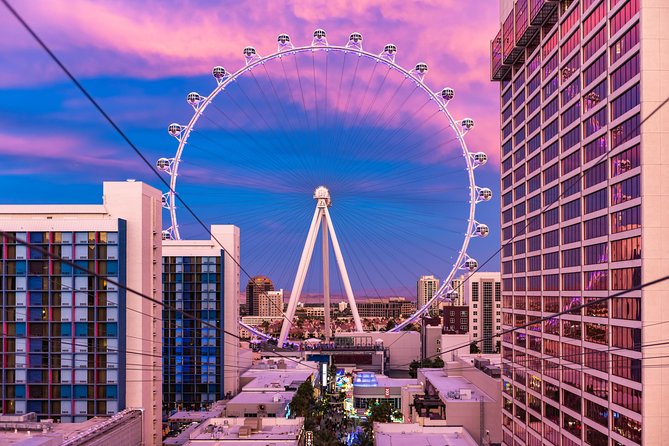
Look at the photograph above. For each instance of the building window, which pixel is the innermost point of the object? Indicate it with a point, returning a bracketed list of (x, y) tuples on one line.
[(626, 220), (625, 161), (595, 254), (620, 48), (625, 190)]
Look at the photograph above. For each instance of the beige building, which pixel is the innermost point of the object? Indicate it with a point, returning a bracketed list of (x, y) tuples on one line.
[(427, 286), (482, 292), (585, 186), (270, 303), (88, 317), (467, 392)]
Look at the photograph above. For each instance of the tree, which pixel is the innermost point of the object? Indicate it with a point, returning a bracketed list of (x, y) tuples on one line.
[(474, 347), (498, 346), (303, 402), (390, 324), (381, 413), (413, 368), (438, 363)]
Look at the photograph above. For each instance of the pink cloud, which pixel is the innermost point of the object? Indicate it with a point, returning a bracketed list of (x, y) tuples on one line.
[(160, 39), (72, 152)]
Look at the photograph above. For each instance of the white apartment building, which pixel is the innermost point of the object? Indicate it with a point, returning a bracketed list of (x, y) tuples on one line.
[(482, 292)]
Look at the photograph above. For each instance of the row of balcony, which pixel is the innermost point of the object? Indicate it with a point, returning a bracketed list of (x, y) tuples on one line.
[(518, 30)]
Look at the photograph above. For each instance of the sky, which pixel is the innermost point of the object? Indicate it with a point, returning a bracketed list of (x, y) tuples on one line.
[(397, 177)]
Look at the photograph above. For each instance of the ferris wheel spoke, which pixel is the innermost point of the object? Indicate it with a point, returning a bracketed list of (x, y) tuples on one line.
[(367, 137), (368, 249), (287, 117), (377, 144), (266, 152), (290, 141), (286, 142), (341, 133), (356, 137)]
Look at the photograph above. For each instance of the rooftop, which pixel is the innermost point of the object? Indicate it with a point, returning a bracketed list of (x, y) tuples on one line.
[(453, 388), (248, 431), (24, 431), (188, 416), (245, 397), (279, 379), (398, 434)]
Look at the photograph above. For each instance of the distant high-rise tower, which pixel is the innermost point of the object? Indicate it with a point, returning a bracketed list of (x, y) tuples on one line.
[(427, 286), (256, 286), (585, 191), (482, 293), (270, 303)]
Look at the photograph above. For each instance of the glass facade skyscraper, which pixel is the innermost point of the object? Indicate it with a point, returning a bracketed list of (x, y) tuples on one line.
[(63, 348), (583, 186), (200, 362), (192, 351)]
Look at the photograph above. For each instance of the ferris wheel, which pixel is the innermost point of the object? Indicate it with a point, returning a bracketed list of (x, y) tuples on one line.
[(308, 109)]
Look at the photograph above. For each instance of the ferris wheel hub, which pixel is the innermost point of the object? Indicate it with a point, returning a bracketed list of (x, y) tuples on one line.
[(322, 195)]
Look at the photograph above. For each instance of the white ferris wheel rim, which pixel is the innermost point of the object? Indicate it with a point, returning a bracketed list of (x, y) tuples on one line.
[(460, 263)]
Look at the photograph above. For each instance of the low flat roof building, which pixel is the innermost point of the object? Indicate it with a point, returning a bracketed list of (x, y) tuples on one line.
[(369, 387), (462, 394), (122, 428), (395, 434), (248, 432)]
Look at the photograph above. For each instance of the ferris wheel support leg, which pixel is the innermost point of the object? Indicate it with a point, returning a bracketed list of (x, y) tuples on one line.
[(300, 276), (326, 278), (343, 272)]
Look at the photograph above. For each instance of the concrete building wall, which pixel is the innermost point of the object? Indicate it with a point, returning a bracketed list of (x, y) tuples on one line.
[(654, 53), (597, 70)]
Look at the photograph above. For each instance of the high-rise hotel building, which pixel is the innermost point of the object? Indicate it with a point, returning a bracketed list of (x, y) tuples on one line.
[(426, 288), (482, 293), (579, 84), (200, 363), (75, 346)]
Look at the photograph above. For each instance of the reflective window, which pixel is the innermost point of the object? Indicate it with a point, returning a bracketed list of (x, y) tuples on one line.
[(571, 234), (595, 96), (626, 220), (624, 44), (595, 254), (625, 161), (626, 190), (625, 278), (623, 15), (594, 175), (626, 249), (595, 227), (596, 280), (625, 72), (625, 102), (595, 201), (626, 337), (626, 397), (594, 70)]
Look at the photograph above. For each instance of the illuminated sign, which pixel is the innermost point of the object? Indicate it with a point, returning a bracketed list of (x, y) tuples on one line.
[(309, 438)]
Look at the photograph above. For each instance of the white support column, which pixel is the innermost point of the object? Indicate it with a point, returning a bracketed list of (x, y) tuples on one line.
[(343, 272), (326, 278), (300, 276)]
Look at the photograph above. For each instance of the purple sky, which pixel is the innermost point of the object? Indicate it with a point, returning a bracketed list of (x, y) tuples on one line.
[(139, 59)]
